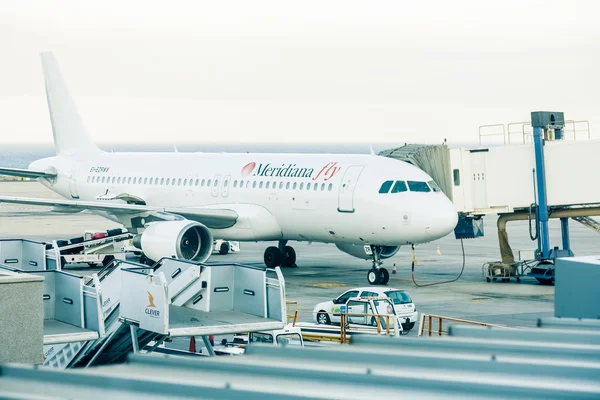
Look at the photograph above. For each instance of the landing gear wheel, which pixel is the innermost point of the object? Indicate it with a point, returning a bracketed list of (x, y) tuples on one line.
[(384, 276), (323, 318), (373, 276), (488, 280), (272, 257), (288, 257), (224, 249)]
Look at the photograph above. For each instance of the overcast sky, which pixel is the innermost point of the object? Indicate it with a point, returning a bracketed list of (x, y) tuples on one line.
[(279, 71)]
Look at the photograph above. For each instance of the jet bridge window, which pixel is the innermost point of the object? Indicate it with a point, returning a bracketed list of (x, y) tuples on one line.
[(385, 186), (399, 186), (418, 186)]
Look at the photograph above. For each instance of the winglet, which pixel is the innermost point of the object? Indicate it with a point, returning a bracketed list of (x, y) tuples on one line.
[(69, 133)]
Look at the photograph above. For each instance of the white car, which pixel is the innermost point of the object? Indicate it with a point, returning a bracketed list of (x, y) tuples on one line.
[(329, 311), (224, 246)]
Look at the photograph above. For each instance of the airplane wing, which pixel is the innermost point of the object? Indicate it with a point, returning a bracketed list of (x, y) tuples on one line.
[(26, 173), (211, 217)]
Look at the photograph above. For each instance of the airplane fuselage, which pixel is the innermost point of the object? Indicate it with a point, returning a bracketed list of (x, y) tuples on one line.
[(329, 198)]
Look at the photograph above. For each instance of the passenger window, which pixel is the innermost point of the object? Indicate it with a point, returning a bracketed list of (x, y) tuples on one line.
[(93, 179), (208, 183), (315, 186), (287, 185), (185, 182), (434, 186), (280, 185), (145, 181), (385, 186), (399, 186), (456, 175), (113, 179), (295, 184), (330, 186), (168, 181), (301, 185), (88, 179), (162, 181), (254, 185), (150, 181), (103, 179), (225, 183), (235, 183), (216, 182), (308, 186), (267, 185), (247, 184), (418, 186), (134, 181), (260, 185), (173, 181), (129, 180), (322, 187)]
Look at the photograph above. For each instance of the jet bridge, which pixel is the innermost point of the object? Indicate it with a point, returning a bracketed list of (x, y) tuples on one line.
[(534, 171)]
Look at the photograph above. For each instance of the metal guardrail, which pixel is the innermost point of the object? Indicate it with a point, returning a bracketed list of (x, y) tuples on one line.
[(430, 317), (525, 130), (345, 331)]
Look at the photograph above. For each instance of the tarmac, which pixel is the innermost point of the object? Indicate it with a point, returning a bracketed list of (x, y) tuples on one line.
[(323, 272)]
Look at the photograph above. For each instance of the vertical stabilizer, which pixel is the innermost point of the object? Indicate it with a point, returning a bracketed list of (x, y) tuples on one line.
[(70, 136)]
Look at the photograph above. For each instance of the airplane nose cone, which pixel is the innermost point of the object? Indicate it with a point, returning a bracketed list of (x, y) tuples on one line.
[(443, 219)]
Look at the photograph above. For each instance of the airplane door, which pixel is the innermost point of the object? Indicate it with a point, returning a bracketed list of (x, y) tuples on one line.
[(73, 184), (226, 183), (215, 185), (346, 194)]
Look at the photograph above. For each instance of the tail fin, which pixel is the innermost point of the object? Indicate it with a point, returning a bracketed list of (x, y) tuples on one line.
[(70, 136)]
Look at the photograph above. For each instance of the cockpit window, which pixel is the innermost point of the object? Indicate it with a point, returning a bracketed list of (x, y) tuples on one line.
[(418, 186), (434, 186), (399, 186), (385, 187)]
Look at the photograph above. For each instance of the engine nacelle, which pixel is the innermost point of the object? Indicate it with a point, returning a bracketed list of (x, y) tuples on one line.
[(358, 250), (185, 240)]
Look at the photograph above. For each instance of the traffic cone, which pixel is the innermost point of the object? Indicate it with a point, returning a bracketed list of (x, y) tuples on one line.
[(394, 270), (192, 348), (438, 252)]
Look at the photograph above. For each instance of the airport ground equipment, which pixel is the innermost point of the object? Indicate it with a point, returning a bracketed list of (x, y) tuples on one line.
[(72, 314), (525, 179), (174, 298), (32, 255), (472, 363)]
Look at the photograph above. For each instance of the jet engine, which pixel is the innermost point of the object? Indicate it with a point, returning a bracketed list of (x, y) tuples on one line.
[(186, 240), (358, 250)]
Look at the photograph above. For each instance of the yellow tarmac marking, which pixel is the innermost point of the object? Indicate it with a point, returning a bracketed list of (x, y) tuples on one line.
[(326, 285), (476, 300)]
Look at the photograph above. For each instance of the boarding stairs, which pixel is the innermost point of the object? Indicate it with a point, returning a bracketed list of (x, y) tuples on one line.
[(143, 306)]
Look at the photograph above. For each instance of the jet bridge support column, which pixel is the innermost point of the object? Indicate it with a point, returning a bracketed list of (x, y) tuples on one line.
[(564, 229), (542, 214)]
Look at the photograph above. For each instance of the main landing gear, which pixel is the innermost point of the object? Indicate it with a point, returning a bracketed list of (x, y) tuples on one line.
[(377, 275), (284, 256)]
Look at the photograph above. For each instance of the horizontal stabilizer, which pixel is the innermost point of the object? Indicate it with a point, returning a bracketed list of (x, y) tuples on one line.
[(26, 173)]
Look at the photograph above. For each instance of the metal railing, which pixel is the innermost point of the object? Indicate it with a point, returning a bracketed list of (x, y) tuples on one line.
[(385, 324), (431, 317), (525, 130)]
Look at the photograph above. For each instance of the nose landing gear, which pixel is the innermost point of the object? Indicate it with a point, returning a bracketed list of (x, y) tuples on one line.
[(377, 275)]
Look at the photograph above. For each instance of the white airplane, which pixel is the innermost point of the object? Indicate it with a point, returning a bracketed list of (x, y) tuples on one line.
[(367, 205)]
